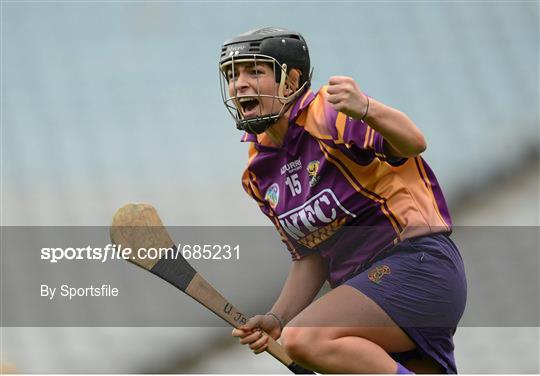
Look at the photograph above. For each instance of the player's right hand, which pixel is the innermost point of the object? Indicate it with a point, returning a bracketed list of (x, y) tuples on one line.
[(253, 332)]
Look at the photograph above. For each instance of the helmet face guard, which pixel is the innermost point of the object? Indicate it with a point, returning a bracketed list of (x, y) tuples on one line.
[(260, 122), (279, 48)]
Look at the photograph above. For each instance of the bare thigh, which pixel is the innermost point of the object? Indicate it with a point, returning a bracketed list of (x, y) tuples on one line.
[(345, 311)]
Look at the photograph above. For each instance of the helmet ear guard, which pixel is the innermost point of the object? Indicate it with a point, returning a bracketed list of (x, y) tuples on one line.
[(285, 50)]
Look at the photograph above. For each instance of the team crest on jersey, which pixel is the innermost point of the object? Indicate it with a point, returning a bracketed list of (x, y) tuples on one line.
[(272, 195), (312, 169), (376, 274)]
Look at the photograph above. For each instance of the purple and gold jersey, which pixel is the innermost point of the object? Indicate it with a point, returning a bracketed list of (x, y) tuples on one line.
[(331, 189)]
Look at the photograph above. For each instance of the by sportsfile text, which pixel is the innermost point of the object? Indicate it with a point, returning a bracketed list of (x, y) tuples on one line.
[(70, 292)]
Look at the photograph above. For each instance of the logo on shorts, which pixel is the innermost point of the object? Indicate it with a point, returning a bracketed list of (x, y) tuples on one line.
[(376, 274), (272, 195)]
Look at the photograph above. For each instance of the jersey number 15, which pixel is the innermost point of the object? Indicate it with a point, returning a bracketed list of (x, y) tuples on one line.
[(294, 184)]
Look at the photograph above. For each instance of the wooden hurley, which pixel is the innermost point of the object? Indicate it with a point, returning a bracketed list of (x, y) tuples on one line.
[(138, 226)]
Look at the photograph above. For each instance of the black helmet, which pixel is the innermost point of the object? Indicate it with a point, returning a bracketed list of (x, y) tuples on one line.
[(284, 49)]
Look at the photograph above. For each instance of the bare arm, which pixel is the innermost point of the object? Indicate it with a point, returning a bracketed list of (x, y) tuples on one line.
[(403, 138), (305, 279)]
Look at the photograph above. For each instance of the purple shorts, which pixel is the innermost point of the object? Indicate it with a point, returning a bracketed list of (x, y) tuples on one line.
[(420, 283)]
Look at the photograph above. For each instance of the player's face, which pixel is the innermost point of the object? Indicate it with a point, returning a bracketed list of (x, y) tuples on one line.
[(255, 88)]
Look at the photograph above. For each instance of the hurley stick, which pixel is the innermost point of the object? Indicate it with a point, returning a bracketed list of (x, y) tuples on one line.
[(138, 226)]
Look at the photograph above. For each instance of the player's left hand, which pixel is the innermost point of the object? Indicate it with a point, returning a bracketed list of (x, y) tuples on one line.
[(345, 96)]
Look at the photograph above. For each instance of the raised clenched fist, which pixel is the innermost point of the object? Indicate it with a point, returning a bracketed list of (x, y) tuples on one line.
[(345, 96)]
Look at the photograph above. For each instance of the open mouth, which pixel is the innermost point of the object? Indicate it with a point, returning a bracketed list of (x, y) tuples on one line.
[(249, 106)]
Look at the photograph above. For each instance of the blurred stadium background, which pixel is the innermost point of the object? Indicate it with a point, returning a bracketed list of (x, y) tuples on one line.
[(109, 102)]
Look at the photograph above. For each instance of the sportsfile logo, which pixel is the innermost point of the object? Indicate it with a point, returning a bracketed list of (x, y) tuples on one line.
[(320, 211)]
